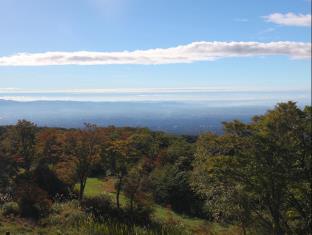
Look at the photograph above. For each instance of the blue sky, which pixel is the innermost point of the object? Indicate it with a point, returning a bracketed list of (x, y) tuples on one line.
[(39, 26)]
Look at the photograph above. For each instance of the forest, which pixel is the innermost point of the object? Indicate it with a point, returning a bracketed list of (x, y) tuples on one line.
[(255, 178)]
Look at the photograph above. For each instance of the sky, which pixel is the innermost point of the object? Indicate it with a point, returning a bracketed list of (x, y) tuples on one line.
[(135, 44)]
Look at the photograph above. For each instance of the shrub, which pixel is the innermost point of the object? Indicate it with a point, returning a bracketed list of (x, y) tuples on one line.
[(5, 197), (33, 201), (68, 214), (100, 207), (138, 215), (10, 208), (76, 218)]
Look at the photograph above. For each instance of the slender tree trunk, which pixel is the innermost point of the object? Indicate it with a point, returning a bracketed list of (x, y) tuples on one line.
[(27, 164), (118, 191), (244, 230), (81, 189), (275, 208), (131, 203), (117, 198), (243, 226), (277, 229)]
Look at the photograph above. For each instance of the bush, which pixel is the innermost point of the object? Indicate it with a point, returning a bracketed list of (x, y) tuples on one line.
[(5, 197), (139, 215), (73, 219), (100, 207), (33, 201), (68, 214), (10, 208)]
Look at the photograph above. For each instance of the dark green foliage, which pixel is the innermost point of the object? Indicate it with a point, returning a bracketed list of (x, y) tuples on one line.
[(100, 207), (32, 200), (22, 143), (46, 179), (8, 170), (171, 188), (259, 172)]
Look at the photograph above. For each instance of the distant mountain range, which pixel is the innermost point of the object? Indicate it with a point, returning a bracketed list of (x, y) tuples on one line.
[(176, 117)]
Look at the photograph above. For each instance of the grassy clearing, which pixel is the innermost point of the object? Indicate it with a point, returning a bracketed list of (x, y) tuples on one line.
[(97, 187), (94, 187)]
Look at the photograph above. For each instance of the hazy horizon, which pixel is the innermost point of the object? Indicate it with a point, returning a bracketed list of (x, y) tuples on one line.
[(217, 96), (152, 63)]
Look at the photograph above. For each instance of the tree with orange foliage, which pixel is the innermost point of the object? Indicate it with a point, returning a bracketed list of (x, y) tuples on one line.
[(83, 147)]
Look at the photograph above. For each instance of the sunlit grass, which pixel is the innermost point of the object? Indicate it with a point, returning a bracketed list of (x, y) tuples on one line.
[(97, 187)]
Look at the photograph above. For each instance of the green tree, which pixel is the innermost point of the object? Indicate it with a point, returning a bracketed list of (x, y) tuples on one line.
[(22, 140), (265, 163), (8, 171)]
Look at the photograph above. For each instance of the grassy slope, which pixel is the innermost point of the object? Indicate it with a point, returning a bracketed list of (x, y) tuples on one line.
[(18, 226), (96, 187)]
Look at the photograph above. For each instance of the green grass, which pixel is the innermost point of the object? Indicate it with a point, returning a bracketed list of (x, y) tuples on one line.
[(94, 187), (166, 215), (97, 187)]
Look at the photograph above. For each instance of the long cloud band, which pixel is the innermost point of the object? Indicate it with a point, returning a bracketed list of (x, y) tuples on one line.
[(196, 51)]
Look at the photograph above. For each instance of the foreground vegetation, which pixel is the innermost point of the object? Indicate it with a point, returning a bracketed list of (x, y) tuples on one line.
[(253, 179)]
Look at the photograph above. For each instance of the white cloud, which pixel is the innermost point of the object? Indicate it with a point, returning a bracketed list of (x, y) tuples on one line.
[(289, 19), (196, 51)]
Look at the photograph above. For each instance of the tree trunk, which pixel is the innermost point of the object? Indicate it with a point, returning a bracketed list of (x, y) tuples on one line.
[(244, 230), (243, 226), (277, 229), (118, 191), (131, 203), (81, 189), (27, 164), (117, 198)]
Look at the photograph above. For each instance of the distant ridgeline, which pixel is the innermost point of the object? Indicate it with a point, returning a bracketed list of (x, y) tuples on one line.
[(189, 118)]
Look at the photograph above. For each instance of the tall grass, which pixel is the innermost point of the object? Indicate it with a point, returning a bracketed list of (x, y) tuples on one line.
[(110, 227)]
